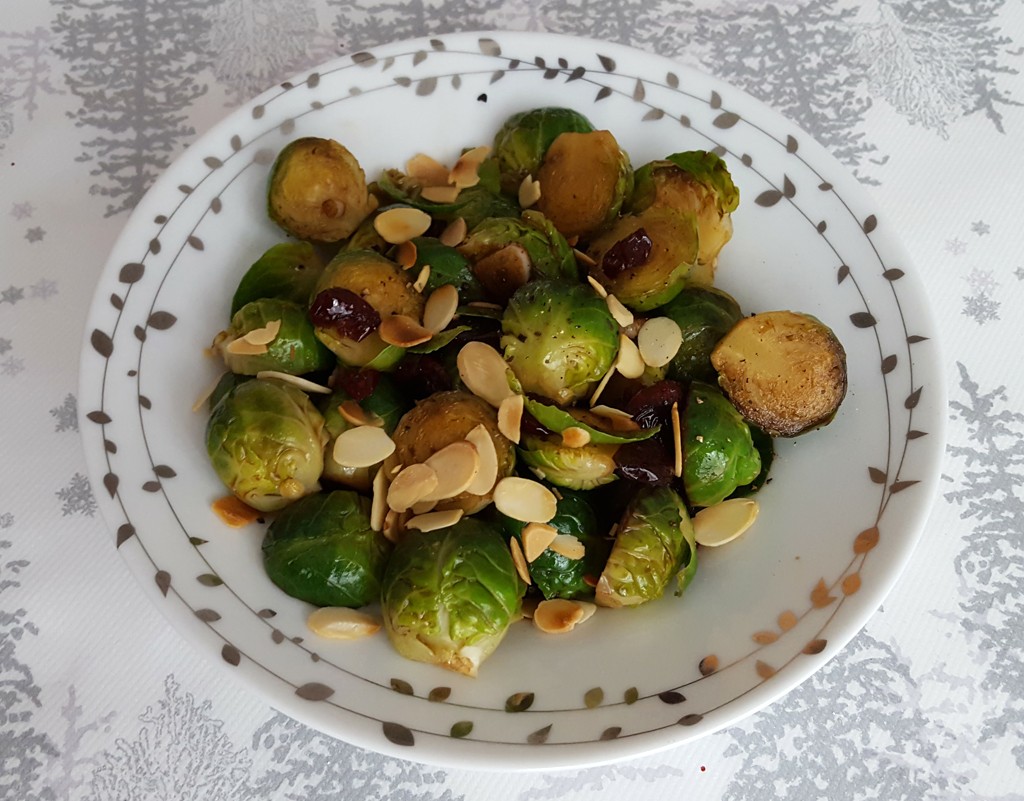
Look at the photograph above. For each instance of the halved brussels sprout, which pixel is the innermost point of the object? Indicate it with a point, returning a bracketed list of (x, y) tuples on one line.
[(288, 270), (317, 190), (558, 420), (294, 350), (718, 451), (584, 180), (653, 542), (265, 440), (704, 315), (766, 450), (322, 550), (559, 339), (450, 595), (473, 204), (575, 468), (365, 237), (447, 266), (524, 138)]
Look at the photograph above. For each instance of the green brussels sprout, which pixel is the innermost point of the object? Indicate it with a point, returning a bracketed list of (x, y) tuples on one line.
[(704, 315), (718, 451), (322, 550), (265, 440), (450, 595), (559, 339), (294, 350), (558, 576), (524, 138), (696, 182), (474, 203), (317, 190), (447, 266), (584, 180), (766, 450), (386, 287), (225, 384), (575, 468), (365, 237), (653, 542), (558, 420), (288, 270)]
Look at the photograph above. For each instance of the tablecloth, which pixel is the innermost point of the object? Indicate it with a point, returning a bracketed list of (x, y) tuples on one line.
[(100, 699)]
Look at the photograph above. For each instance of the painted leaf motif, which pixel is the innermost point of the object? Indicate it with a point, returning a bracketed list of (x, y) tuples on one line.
[(768, 198), (708, 665), (208, 615), (209, 579), (851, 584), (764, 637), (402, 80), (843, 274), (913, 434), (213, 162), (551, 73), (519, 702), (419, 57), (161, 320), (439, 694), (716, 100), (145, 402), (197, 541), (151, 486), (787, 620), (593, 697), (576, 74), (672, 80), (820, 597), (116, 302), (313, 81), (726, 119), (539, 736), (788, 189), (870, 223), (889, 364), (98, 417), (401, 686), (815, 647), (913, 398), (131, 272), (899, 486), (639, 93), (877, 476), (690, 720), (913, 339), (497, 75), (258, 112), (684, 120), (437, 44), (140, 333), (267, 613), (314, 691), (236, 143), (398, 734), (287, 127), (653, 114), (821, 227), (604, 92), (264, 157), (764, 670), (277, 636), (893, 274), (124, 533), (364, 59), (185, 189), (863, 319), (611, 733), (101, 343), (672, 697), (109, 446), (489, 47), (163, 581), (154, 246), (607, 63), (164, 471), (791, 144), (540, 62), (216, 205), (631, 695), (461, 729), (110, 481)]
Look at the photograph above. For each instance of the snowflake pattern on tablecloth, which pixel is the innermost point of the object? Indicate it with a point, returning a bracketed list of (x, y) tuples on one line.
[(66, 414), (981, 228), (22, 211), (955, 246), (6, 520), (981, 305), (12, 294), (12, 366), (43, 289), (35, 234), (76, 497), (5, 345)]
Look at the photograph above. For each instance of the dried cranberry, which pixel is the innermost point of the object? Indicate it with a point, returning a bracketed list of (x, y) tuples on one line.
[(646, 462), (359, 384), (420, 376), (652, 406), (627, 254), (343, 311)]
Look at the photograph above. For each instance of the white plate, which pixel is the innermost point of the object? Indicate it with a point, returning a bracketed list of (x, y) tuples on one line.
[(838, 520)]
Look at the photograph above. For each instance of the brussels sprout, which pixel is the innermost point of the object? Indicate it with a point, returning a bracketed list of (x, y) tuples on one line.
[(696, 182), (322, 550), (558, 420), (704, 315), (265, 440), (365, 237), (450, 595), (654, 540), (524, 138), (718, 451), (559, 339), (584, 180), (294, 350), (575, 468), (288, 270), (474, 203), (646, 259), (385, 288), (766, 450), (558, 576), (447, 266), (227, 382), (317, 190)]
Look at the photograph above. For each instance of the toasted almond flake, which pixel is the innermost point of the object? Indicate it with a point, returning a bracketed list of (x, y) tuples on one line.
[(529, 192), (556, 493), (487, 474), (659, 341), (207, 392), (402, 331), (568, 546), (557, 616), (406, 254), (291, 489), (601, 385), (600, 290), (362, 446), (242, 347), (421, 280), (622, 315), (583, 260), (264, 335), (435, 520), (628, 362), (422, 507), (234, 512), (379, 501), (588, 609), (394, 525), (505, 270), (341, 623), (484, 372), (427, 170), (402, 224), (724, 522), (411, 486), (485, 304), (440, 308), (524, 499), (519, 560), (440, 194), (302, 383), (536, 539), (466, 170), (510, 417), (396, 470), (358, 416), (454, 233), (456, 465), (677, 441), (575, 437)]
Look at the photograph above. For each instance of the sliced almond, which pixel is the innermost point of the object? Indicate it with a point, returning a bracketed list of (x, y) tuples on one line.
[(724, 522), (620, 420), (394, 525), (524, 499), (568, 546), (510, 417), (234, 512), (362, 446), (536, 539), (427, 170), (406, 254), (601, 385), (588, 609), (432, 521), (529, 192), (454, 233), (487, 474), (600, 290), (422, 507), (440, 194), (264, 335), (298, 381), (291, 489), (485, 304), (659, 341), (340, 623), (456, 465), (622, 315), (583, 260), (358, 416), (440, 308), (519, 560), (466, 170), (504, 271), (402, 224), (379, 501), (484, 372), (628, 362), (677, 441), (403, 331), (557, 616), (411, 486), (421, 280), (242, 347), (575, 437), (207, 393)]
